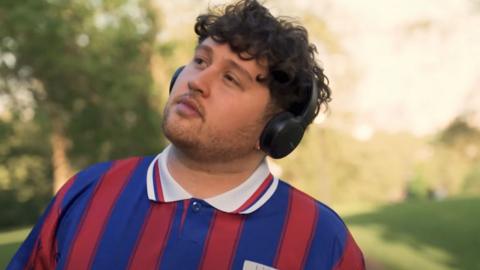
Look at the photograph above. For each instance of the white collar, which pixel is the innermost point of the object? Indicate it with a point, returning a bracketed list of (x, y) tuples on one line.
[(243, 199)]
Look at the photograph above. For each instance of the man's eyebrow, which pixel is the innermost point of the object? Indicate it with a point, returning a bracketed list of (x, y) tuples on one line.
[(234, 65), (202, 47), (230, 63)]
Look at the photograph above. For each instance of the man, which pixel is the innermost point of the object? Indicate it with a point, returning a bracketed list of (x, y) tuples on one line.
[(208, 201)]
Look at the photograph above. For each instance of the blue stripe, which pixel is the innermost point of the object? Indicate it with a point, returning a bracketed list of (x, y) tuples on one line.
[(328, 242), (121, 233), (73, 207), (262, 230), (185, 247)]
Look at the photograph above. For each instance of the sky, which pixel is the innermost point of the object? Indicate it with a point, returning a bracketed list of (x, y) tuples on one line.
[(415, 64), (420, 64)]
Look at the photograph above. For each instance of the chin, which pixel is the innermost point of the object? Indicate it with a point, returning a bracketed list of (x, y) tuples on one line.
[(180, 137), (210, 151)]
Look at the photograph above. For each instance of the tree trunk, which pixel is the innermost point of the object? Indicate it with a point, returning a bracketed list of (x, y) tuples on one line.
[(61, 165)]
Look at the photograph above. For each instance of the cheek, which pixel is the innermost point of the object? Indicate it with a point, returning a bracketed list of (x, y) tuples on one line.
[(167, 107), (180, 86), (238, 115)]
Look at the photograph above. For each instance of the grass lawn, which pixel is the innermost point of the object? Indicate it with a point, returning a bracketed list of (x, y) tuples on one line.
[(427, 235), (9, 243)]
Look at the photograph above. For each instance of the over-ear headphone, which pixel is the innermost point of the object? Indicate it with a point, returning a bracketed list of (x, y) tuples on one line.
[(284, 131)]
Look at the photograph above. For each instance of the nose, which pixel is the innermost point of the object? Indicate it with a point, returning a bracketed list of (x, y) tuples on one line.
[(201, 81)]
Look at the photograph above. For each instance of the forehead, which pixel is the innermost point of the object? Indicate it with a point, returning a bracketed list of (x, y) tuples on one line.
[(223, 51)]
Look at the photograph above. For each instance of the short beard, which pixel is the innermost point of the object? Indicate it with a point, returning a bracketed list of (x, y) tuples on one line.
[(213, 147)]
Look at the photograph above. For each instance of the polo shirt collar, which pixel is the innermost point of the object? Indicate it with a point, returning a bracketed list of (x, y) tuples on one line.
[(243, 199)]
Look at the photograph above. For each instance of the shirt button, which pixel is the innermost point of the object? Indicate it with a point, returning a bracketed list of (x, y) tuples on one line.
[(196, 206)]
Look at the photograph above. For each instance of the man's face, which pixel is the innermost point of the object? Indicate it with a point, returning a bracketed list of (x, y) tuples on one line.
[(217, 108)]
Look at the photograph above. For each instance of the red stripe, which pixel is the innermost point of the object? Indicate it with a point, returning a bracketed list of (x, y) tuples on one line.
[(297, 232), (151, 244), (45, 248), (266, 183), (158, 182), (222, 241), (352, 258), (98, 212)]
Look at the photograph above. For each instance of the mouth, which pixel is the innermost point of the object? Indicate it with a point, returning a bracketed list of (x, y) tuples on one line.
[(188, 106)]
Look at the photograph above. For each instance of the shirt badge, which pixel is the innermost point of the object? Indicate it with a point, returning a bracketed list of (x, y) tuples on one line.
[(249, 265)]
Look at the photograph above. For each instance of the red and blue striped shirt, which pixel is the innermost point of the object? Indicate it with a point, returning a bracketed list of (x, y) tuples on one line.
[(131, 214)]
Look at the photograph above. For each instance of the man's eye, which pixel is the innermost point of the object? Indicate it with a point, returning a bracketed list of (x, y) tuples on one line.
[(231, 79), (199, 61)]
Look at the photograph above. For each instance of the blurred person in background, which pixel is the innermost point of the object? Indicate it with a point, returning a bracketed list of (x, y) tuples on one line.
[(209, 201)]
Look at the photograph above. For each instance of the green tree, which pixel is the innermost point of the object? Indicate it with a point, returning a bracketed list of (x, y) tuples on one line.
[(79, 73)]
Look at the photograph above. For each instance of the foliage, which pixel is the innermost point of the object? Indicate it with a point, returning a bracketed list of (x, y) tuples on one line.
[(93, 64), (459, 133), (24, 171), (333, 166), (78, 69), (417, 188), (91, 60), (472, 181)]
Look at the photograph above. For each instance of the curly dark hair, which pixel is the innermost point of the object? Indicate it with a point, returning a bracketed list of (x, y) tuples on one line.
[(254, 33)]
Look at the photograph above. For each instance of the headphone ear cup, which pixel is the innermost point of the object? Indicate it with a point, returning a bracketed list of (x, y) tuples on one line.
[(281, 135), (174, 77)]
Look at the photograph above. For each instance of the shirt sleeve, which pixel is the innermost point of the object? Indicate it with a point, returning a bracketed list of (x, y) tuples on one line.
[(352, 257), (39, 250)]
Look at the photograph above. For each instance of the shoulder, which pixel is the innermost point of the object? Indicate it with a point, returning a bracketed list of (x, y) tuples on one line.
[(328, 223), (304, 200), (330, 239), (94, 173), (86, 180)]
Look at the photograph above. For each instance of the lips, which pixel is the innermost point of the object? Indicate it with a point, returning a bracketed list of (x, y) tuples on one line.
[(188, 105)]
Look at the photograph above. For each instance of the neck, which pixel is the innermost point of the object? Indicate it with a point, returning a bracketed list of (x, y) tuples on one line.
[(205, 179)]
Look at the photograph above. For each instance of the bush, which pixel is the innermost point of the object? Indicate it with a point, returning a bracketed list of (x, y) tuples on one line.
[(16, 213)]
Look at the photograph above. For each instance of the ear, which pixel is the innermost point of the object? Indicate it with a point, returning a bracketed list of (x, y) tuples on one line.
[(257, 145)]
